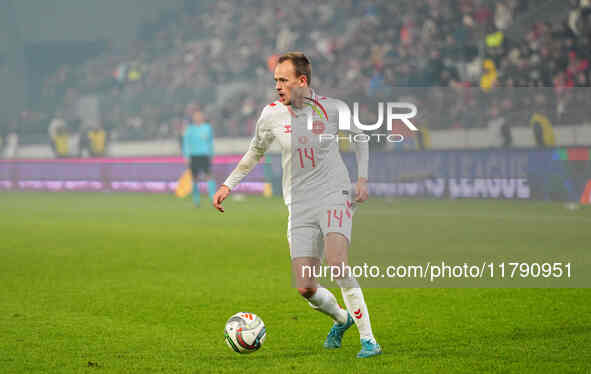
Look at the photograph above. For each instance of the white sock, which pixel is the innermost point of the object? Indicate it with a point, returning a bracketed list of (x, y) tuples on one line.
[(324, 301), (355, 303)]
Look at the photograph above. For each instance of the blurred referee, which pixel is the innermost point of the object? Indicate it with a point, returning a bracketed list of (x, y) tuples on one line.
[(198, 151)]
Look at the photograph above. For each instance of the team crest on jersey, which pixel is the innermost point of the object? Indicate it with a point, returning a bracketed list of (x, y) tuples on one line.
[(318, 127), (287, 129)]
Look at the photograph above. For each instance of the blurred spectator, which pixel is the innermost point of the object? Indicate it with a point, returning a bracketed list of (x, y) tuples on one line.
[(11, 142), (98, 141), (62, 142), (489, 79), (210, 54), (56, 127), (543, 131)]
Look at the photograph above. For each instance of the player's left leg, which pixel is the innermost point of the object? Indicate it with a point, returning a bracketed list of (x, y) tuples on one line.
[(208, 177), (336, 252), (195, 171)]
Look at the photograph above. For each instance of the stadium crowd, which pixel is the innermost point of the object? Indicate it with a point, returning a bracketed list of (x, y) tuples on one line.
[(466, 60)]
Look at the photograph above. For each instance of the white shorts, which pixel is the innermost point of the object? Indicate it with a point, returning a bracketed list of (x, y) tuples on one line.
[(308, 224)]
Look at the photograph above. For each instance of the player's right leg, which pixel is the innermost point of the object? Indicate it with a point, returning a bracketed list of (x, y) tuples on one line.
[(196, 195), (320, 298), (305, 253), (210, 185)]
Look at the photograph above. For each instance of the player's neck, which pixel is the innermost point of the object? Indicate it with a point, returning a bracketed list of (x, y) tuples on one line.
[(307, 93)]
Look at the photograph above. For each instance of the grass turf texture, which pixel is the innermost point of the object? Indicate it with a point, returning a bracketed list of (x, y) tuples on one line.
[(121, 283)]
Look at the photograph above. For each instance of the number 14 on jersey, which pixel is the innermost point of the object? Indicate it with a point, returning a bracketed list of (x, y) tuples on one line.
[(306, 154)]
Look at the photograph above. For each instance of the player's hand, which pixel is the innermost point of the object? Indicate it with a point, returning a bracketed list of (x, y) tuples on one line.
[(361, 193), (220, 196)]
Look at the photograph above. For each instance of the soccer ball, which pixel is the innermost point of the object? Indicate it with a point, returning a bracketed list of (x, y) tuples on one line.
[(245, 332)]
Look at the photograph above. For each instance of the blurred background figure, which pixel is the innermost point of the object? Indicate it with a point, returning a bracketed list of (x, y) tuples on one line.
[(57, 129), (198, 151), (97, 138), (506, 74), (213, 52), (9, 146), (93, 141)]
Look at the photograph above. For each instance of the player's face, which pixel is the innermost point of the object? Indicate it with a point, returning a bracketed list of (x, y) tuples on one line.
[(286, 80), (197, 117)]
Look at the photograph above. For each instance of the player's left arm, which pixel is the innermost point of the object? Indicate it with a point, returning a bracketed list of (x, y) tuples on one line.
[(185, 151), (362, 157), (211, 141)]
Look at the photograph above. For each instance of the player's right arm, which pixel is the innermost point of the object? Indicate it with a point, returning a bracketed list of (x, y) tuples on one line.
[(261, 141), (186, 145)]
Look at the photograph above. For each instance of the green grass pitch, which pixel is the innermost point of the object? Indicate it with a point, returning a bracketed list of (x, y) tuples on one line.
[(133, 283)]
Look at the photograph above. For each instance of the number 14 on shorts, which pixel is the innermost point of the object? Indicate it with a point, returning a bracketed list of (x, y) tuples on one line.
[(335, 216)]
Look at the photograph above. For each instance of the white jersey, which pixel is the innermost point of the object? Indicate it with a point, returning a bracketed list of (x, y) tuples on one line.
[(311, 162)]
